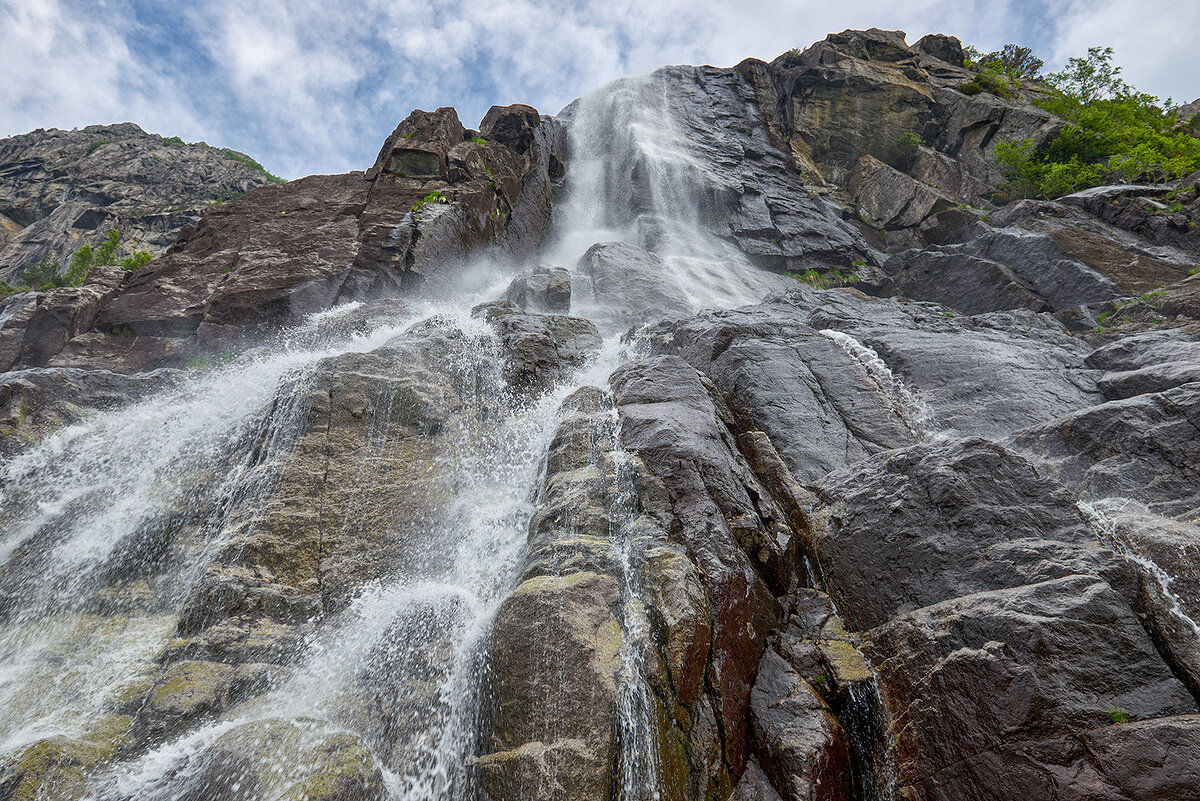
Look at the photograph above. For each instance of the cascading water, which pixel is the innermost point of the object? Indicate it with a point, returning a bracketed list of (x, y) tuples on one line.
[(633, 178), (915, 413), (110, 524), (1101, 515)]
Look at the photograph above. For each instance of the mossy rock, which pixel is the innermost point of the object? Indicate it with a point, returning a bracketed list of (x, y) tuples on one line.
[(58, 768)]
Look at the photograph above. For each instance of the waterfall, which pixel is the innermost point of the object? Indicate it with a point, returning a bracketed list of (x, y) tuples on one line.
[(915, 413), (110, 524), (1101, 517), (635, 178)]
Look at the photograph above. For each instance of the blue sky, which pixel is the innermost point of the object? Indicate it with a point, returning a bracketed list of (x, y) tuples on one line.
[(310, 86)]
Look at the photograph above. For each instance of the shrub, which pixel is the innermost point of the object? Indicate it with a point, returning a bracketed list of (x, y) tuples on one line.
[(437, 196), (479, 140), (131, 264), (909, 143), (81, 262), (106, 251), (41, 274), (1113, 133), (1118, 715)]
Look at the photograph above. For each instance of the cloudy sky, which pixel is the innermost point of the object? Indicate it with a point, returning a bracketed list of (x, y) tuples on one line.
[(311, 86)]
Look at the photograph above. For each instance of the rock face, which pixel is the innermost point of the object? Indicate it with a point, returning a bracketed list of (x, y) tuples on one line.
[(356, 493), (63, 189)]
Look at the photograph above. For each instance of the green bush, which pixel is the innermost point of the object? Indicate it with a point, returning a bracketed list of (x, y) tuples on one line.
[(1112, 134), (41, 274), (436, 196), (131, 264), (106, 251), (479, 140)]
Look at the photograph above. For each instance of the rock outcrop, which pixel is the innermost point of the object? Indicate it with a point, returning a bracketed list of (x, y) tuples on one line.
[(63, 189), (812, 474)]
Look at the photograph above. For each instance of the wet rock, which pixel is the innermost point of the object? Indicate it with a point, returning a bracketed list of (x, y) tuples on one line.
[(984, 375), (560, 630), (1165, 553), (798, 742), (57, 768), (544, 289), (1144, 448), (1142, 363), (37, 402), (961, 281), (623, 284), (820, 406), (190, 691), (1163, 215), (540, 349), (818, 648), (1152, 759), (925, 524), (64, 189), (726, 521), (1006, 684), (1001, 268), (290, 759)]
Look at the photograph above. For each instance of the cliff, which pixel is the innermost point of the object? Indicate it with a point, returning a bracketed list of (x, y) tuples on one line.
[(722, 437)]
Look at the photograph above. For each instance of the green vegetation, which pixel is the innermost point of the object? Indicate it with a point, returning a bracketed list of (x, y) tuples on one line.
[(1118, 715), (437, 196), (96, 144), (173, 140), (1117, 305), (48, 273), (252, 164), (106, 251), (826, 280), (130, 264), (205, 363), (479, 140), (910, 143), (1001, 72), (1194, 271), (1113, 134)]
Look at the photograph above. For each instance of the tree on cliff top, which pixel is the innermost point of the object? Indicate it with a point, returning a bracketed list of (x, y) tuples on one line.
[(1113, 134)]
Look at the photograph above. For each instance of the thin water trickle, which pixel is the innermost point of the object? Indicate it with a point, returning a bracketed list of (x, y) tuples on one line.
[(915, 413), (1101, 516)]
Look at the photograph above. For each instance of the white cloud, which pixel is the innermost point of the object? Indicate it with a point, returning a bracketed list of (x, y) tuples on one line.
[(307, 85), (1156, 42)]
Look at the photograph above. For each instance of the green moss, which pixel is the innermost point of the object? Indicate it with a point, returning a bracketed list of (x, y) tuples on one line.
[(245, 160), (343, 765), (437, 196)]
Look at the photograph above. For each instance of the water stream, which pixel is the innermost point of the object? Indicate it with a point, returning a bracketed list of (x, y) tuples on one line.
[(108, 525)]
